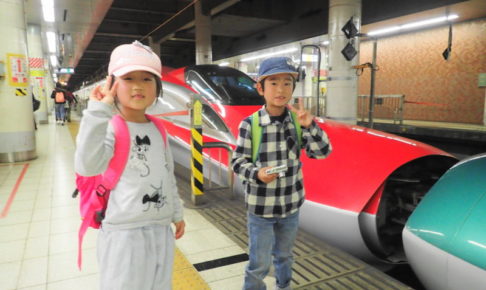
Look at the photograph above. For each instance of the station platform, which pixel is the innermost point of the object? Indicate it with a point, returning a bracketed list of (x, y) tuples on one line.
[(39, 223), (463, 139)]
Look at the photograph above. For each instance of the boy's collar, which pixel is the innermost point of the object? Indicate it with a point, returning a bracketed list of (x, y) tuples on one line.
[(265, 116)]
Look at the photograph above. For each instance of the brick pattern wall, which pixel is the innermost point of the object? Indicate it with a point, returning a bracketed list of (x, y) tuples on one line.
[(412, 64)]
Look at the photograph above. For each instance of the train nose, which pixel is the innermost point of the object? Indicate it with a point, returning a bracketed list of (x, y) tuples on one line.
[(445, 237)]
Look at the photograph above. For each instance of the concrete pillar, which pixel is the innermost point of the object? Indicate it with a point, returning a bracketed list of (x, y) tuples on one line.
[(342, 88), (37, 71), (49, 86), (204, 53), (155, 46), (17, 135)]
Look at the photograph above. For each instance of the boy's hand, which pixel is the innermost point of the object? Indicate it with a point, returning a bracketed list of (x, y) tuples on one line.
[(105, 94), (264, 177), (180, 227), (303, 117)]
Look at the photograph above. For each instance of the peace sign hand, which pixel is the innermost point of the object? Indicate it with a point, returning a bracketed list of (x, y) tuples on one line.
[(105, 94), (303, 117)]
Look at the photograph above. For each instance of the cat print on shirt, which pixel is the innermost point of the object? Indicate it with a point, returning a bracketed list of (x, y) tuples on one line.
[(156, 198), (138, 160)]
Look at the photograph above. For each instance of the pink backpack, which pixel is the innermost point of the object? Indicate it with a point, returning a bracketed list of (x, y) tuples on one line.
[(95, 190)]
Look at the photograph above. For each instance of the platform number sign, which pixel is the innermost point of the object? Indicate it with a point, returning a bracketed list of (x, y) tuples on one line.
[(17, 70)]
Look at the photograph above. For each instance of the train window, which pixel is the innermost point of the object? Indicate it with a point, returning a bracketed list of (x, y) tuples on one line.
[(224, 85), (202, 87), (212, 120)]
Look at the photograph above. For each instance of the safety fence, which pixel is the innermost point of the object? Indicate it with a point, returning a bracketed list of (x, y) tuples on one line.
[(310, 104), (389, 107), (223, 151), (385, 107)]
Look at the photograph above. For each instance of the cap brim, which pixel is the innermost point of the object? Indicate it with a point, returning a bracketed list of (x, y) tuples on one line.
[(130, 68), (294, 74)]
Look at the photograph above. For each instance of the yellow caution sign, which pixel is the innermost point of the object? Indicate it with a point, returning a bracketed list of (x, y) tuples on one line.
[(197, 115), (197, 180), (21, 92)]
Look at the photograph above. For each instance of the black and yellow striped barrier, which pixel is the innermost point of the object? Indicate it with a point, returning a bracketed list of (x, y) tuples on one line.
[(21, 92), (197, 180)]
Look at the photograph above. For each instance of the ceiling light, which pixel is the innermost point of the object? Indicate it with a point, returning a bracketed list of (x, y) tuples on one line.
[(224, 63), (269, 54), (51, 41), (412, 25), (53, 60), (48, 10), (325, 42)]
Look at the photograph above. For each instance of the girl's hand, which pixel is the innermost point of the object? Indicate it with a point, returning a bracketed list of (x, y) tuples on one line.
[(180, 226), (105, 94), (264, 177), (303, 117)]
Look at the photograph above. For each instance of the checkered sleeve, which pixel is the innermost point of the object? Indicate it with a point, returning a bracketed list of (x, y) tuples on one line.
[(241, 162), (315, 142)]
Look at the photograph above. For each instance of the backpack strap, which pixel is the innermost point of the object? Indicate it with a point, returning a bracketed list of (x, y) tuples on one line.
[(112, 174), (160, 126), (256, 133), (120, 154), (256, 136), (298, 128)]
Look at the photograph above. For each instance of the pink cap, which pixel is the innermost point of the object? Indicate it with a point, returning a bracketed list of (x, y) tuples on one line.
[(132, 57)]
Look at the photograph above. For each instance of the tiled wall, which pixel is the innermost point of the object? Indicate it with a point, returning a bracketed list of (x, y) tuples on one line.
[(412, 64)]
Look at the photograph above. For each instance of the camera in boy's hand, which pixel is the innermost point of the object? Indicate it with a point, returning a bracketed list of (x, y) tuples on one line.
[(277, 169)]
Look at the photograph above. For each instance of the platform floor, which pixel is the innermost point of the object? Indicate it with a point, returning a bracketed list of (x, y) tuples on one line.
[(39, 222)]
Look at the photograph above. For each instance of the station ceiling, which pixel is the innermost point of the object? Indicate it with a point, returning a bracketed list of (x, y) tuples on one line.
[(89, 30)]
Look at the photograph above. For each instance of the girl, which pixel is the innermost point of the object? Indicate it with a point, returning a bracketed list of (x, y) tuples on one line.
[(135, 242)]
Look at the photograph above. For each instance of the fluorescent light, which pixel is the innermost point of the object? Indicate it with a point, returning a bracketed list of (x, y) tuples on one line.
[(48, 10), (310, 57), (270, 54), (384, 30), (325, 42), (412, 25), (224, 63), (51, 41), (53, 60)]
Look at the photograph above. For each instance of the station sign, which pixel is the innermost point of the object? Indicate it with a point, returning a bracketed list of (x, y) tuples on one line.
[(65, 70)]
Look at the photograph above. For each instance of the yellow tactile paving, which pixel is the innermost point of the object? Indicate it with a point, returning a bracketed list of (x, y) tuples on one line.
[(73, 127), (185, 276)]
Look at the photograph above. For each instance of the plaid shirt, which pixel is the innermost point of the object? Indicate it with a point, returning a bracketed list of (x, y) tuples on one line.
[(279, 146)]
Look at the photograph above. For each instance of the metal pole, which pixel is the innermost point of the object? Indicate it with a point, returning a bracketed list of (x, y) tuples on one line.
[(372, 87), (318, 69), (197, 180)]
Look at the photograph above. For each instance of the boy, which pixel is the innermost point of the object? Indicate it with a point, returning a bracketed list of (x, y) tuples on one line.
[(273, 200)]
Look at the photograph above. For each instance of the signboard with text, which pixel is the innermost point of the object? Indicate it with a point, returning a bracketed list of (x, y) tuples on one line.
[(17, 70)]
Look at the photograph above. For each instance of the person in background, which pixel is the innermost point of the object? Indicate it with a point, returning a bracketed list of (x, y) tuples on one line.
[(68, 106), (60, 96), (273, 200), (35, 107)]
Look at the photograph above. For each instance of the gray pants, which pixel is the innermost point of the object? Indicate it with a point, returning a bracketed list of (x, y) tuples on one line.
[(140, 258)]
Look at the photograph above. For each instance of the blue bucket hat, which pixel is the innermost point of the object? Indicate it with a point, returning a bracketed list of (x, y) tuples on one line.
[(276, 65)]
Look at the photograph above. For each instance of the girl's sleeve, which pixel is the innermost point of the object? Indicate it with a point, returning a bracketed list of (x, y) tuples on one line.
[(242, 163), (315, 142), (95, 140), (178, 213)]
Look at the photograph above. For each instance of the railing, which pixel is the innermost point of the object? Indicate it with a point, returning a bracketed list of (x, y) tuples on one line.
[(310, 104), (220, 145), (386, 107)]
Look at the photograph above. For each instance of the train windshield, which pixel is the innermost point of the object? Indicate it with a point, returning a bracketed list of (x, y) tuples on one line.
[(223, 85)]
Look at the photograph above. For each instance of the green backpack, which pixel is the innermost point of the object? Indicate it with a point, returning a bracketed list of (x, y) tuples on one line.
[(256, 133)]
